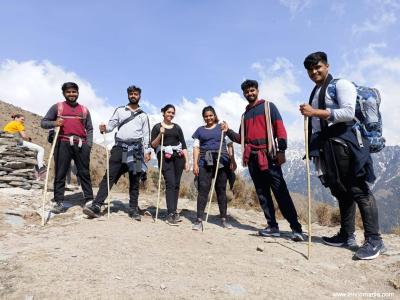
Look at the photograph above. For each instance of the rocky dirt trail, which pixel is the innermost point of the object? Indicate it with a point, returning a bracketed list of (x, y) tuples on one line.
[(76, 258)]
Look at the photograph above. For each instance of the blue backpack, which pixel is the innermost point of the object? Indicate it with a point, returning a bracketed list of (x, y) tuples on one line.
[(368, 119)]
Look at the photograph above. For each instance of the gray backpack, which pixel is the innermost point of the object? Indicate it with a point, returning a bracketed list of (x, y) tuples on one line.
[(367, 115)]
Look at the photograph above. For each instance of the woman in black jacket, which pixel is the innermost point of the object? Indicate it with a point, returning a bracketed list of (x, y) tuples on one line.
[(175, 159)]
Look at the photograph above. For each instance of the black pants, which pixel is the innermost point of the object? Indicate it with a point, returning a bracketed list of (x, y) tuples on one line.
[(172, 172), (63, 154), (117, 169), (206, 174), (272, 179), (357, 191)]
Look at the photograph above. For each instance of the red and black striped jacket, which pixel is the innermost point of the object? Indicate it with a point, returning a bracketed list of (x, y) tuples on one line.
[(255, 127)]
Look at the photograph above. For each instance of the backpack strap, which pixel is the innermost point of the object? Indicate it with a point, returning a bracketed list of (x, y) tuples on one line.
[(127, 120), (321, 101), (60, 108), (148, 128), (242, 135), (270, 134), (321, 105), (84, 111)]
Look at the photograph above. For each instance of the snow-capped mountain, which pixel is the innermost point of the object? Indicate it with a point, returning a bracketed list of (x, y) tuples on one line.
[(386, 187)]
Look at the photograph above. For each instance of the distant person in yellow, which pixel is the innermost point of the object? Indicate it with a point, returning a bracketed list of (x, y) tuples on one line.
[(17, 127)]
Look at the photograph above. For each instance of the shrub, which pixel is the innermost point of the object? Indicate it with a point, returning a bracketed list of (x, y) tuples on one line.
[(323, 213)]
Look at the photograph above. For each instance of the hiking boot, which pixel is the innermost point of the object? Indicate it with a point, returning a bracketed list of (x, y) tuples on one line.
[(134, 213), (92, 211), (270, 231), (177, 217), (226, 224), (170, 220), (297, 236), (197, 225), (58, 208), (42, 170), (341, 240), (370, 249)]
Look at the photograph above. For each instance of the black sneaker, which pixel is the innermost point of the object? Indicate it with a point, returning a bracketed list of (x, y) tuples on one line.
[(341, 240), (270, 231), (134, 213), (58, 208), (92, 211), (370, 249), (177, 217), (170, 220), (297, 236)]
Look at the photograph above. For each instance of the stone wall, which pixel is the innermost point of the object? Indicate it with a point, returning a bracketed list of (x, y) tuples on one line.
[(17, 165)]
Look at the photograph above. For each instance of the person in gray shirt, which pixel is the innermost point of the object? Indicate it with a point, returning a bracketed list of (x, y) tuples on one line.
[(130, 152)]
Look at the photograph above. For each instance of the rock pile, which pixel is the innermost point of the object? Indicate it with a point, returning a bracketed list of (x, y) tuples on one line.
[(17, 165)]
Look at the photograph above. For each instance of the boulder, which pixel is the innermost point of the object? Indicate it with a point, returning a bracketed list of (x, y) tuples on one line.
[(30, 161), (26, 173), (10, 178), (15, 165), (26, 186), (17, 183), (8, 153), (7, 135), (6, 169)]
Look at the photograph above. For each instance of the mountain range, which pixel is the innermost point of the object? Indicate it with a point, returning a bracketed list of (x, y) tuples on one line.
[(386, 187)]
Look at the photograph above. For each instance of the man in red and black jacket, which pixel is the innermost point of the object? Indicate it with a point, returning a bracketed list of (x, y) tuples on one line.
[(74, 142), (263, 161)]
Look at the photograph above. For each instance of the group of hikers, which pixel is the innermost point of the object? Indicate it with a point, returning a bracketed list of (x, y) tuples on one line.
[(263, 138)]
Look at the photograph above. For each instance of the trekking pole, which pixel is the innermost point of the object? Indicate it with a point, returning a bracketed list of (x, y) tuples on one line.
[(108, 176), (159, 175), (53, 145), (215, 177), (308, 185)]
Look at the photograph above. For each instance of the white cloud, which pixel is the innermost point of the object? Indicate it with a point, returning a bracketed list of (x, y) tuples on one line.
[(371, 68), (35, 86), (229, 106), (295, 6), (384, 15)]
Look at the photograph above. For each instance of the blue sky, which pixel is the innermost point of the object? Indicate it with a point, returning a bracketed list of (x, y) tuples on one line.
[(192, 53)]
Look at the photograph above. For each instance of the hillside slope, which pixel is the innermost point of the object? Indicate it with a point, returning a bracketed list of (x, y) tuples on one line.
[(117, 258)]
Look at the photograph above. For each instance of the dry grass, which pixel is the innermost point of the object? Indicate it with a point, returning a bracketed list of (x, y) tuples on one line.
[(335, 216), (324, 213), (395, 230)]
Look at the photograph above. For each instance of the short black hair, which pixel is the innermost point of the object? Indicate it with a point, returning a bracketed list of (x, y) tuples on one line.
[(133, 88), (314, 58), (69, 85), (249, 83), (14, 116), (166, 107), (210, 108)]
